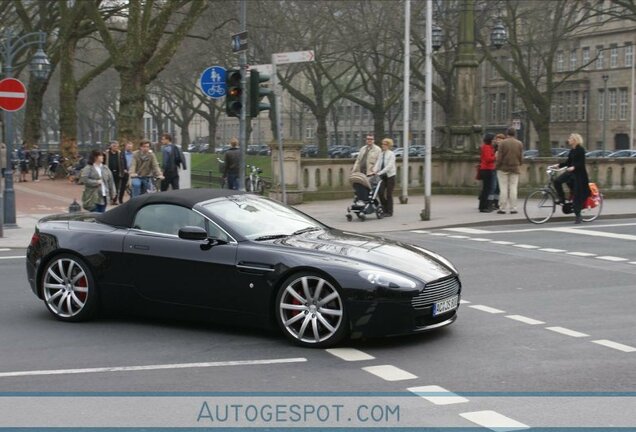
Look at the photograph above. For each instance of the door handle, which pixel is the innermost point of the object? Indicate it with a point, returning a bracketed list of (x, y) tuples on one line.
[(140, 247)]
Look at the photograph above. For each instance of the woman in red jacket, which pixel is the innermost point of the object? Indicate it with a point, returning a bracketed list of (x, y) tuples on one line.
[(487, 174)]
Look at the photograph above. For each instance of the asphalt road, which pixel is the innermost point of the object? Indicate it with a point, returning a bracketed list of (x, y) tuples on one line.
[(545, 338)]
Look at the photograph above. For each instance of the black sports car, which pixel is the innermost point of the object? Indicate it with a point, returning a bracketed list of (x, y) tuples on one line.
[(239, 258)]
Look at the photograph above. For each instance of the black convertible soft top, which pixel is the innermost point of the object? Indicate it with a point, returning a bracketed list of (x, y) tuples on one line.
[(124, 215)]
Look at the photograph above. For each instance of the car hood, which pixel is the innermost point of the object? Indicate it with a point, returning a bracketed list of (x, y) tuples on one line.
[(378, 251)]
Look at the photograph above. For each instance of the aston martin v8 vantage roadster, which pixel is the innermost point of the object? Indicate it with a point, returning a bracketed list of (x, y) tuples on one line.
[(240, 259)]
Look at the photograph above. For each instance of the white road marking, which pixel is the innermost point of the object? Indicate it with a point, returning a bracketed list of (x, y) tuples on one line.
[(567, 332), (421, 231), (464, 302), (479, 239), (467, 230), (526, 246), (13, 257), (457, 236), (487, 309), (552, 250), (615, 345), (152, 367), (4, 249), (350, 354), (494, 421), (582, 254), (439, 234), (503, 242), (611, 258), (632, 262), (595, 233), (445, 397), (389, 373), (524, 319)]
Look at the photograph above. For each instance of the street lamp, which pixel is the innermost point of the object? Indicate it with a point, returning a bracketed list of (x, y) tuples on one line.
[(39, 68), (605, 78)]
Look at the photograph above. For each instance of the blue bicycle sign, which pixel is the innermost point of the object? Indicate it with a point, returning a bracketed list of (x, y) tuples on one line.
[(212, 82)]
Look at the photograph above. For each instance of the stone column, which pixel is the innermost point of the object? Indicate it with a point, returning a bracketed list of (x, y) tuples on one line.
[(291, 169), (465, 128)]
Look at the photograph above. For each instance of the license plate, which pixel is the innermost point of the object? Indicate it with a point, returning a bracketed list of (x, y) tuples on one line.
[(445, 305)]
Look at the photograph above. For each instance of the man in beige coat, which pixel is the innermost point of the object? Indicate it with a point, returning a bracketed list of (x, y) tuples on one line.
[(509, 161), (367, 157)]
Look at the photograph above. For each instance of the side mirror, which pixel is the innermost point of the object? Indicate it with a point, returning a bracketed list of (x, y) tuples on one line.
[(193, 233)]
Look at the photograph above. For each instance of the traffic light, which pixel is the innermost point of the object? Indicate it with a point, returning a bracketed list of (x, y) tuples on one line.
[(233, 105), (257, 92)]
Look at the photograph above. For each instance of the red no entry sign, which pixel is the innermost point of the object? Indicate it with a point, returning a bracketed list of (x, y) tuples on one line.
[(12, 94)]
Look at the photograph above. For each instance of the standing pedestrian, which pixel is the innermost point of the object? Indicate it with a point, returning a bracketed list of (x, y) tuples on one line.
[(3, 157), (99, 186), (496, 192), (125, 163), (385, 169), (231, 165), (113, 161), (171, 159), (34, 162), (367, 156), (509, 161), (575, 176), (487, 174), (23, 162)]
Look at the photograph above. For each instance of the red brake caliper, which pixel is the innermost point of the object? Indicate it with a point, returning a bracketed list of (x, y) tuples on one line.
[(82, 283)]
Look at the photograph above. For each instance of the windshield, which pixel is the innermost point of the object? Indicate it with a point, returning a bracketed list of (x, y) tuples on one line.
[(258, 218)]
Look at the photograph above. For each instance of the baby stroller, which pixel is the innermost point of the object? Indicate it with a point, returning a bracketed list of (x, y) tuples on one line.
[(365, 200)]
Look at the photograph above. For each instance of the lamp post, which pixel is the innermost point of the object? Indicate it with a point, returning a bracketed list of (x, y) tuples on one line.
[(39, 68), (605, 78)]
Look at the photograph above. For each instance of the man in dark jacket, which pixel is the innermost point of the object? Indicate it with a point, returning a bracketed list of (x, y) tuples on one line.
[(113, 162), (171, 159), (231, 166)]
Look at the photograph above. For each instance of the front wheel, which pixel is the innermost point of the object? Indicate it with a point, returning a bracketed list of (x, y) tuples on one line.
[(589, 214), (310, 311), (539, 206), (260, 187)]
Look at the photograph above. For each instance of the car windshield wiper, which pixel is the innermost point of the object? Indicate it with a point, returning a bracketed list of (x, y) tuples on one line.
[(271, 237), (306, 230)]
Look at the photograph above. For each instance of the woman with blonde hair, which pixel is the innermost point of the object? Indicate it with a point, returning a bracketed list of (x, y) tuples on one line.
[(575, 176), (385, 168)]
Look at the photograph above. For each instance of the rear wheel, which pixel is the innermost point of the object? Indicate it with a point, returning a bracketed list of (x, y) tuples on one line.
[(310, 311), (590, 214), (539, 206), (69, 289)]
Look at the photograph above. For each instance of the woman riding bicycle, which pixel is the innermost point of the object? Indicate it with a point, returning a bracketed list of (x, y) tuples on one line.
[(575, 176)]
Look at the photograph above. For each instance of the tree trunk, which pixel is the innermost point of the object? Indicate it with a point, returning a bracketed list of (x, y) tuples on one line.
[(212, 133), (321, 132), (131, 105), (68, 100), (33, 114)]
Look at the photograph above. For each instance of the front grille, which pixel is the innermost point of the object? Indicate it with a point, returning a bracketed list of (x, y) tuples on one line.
[(436, 291)]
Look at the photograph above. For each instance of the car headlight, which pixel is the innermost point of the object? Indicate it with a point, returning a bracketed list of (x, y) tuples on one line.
[(387, 279), (440, 258)]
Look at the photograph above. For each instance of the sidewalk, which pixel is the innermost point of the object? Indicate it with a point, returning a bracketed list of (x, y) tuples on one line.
[(35, 200)]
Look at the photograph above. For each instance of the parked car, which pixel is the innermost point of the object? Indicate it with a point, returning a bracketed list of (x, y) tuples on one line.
[(222, 149), (340, 152), (264, 150), (560, 151), (530, 154), (253, 149), (623, 154), (598, 153), (310, 150), (242, 259)]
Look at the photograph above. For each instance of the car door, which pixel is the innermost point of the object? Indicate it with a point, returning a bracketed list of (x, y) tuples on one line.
[(169, 269)]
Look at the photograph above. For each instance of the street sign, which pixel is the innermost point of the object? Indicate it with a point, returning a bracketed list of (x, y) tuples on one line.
[(516, 124), (293, 57), (12, 94), (212, 82), (239, 42)]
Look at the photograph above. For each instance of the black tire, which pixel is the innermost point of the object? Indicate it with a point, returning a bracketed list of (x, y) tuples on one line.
[(349, 217), (69, 278), (310, 311), (379, 212), (260, 187)]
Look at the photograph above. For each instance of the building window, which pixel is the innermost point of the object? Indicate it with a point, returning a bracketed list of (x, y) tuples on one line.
[(356, 113), (613, 107), (348, 113), (493, 109), (599, 57), (622, 113), (573, 60), (559, 61), (415, 110), (614, 57), (585, 53), (414, 138), (601, 104), (560, 107), (629, 55), (566, 103), (309, 132), (575, 106), (584, 99), (503, 103)]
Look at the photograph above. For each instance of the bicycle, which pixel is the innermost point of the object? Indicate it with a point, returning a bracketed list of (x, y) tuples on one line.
[(254, 183), (541, 203)]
